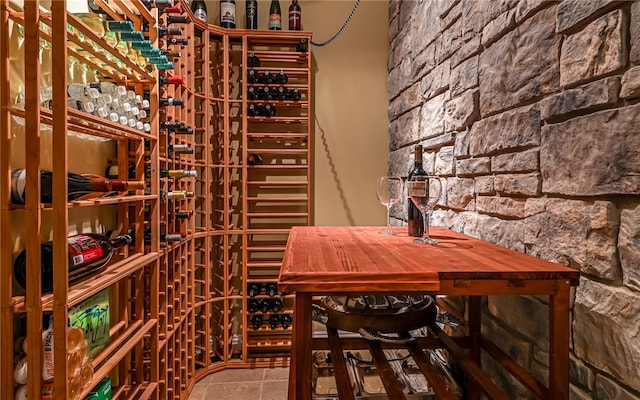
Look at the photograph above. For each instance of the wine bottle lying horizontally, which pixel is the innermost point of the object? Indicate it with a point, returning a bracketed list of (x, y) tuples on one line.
[(78, 185), (89, 253)]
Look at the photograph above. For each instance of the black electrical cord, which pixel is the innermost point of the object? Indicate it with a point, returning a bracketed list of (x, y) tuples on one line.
[(342, 28)]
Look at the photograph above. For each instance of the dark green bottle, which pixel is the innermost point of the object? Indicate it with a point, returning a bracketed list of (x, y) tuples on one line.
[(275, 16)]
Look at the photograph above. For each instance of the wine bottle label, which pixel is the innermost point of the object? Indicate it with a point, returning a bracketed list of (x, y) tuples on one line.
[(227, 13), (275, 21), (47, 365), (294, 19), (200, 13), (417, 189), (83, 249), (173, 237)]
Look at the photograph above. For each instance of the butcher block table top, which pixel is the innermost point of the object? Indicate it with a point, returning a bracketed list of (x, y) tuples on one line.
[(328, 259)]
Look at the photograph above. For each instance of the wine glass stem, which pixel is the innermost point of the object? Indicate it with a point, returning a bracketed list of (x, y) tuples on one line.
[(388, 216), (425, 218)]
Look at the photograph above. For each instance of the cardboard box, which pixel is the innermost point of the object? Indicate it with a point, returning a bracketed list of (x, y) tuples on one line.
[(102, 391), (92, 315)]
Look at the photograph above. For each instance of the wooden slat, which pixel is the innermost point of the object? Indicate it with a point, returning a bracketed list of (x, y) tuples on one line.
[(471, 368), (559, 333), (388, 376), (6, 246), (61, 212), (438, 384), (341, 374), (32, 189), (515, 369), (475, 326)]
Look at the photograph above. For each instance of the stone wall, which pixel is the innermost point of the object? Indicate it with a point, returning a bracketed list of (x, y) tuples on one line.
[(529, 111)]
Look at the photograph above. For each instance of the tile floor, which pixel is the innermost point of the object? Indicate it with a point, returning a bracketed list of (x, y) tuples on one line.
[(243, 384)]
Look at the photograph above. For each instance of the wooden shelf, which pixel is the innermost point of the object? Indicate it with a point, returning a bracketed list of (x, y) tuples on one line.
[(172, 298)]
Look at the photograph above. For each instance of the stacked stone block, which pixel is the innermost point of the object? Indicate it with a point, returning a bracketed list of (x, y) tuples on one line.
[(529, 111)]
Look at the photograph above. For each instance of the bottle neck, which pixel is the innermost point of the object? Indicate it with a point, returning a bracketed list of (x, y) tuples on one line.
[(121, 240)]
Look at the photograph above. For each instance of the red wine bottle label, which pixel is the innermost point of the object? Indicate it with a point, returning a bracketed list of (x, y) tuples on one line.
[(84, 249), (294, 20)]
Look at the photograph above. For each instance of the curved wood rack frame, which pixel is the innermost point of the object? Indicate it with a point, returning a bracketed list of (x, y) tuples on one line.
[(219, 243)]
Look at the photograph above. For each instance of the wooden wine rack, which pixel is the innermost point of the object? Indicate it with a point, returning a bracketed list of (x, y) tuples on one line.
[(179, 310)]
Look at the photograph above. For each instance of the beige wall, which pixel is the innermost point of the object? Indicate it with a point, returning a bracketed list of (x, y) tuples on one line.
[(351, 128)]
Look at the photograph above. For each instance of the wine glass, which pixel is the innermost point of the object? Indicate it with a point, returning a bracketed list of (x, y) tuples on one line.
[(389, 192), (424, 192)]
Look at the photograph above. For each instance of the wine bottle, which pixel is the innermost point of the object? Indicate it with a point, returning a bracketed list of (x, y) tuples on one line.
[(254, 289), (177, 9), (89, 253), (228, 13), (142, 45), (253, 305), (180, 41), (77, 185), (303, 46), (178, 173), (275, 16), (414, 217), (124, 186), (281, 78), (252, 77), (254, 159), (160, 4), (181, 214), (171, 80), (295, 15), (276, 305), (294, 94), (180, 149), (164, 31), (270, 110), (199, 9), (266, 78), (178, 194), (272, 289), (165, 67), (274, 321), (254, 110), (253, 61), (252, 14), (265, 93), (183, 130), (173, 237), (265, 305), (282, 93), (120, 26), (171, 101), (133, 36), (177, 19), (256, 321), (286, 320)]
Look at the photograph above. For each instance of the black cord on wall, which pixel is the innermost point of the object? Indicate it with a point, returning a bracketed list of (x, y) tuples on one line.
[(342, 28)]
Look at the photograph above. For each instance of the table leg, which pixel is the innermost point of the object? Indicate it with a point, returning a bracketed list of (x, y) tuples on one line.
[(475, 330), (559, 342), (300, 372)]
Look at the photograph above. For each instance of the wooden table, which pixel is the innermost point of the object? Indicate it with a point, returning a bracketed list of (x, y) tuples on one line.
[(358, 260)]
